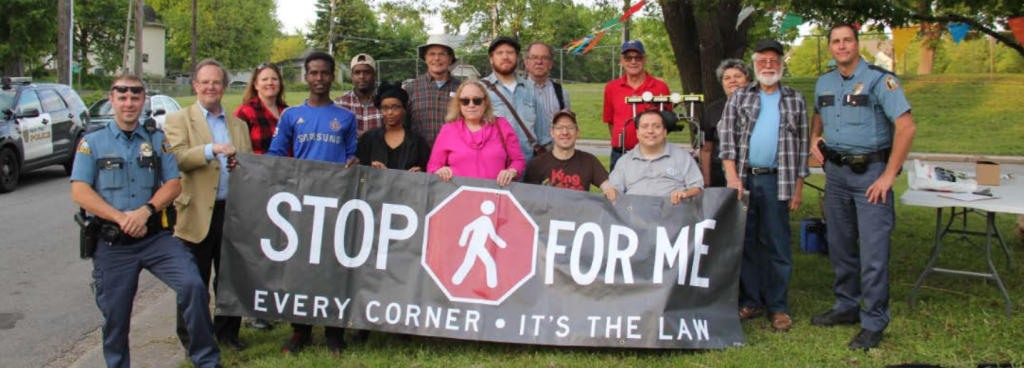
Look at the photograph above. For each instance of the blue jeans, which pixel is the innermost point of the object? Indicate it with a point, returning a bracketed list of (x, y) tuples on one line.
[(614, 158), (116, 278), (862, 268), (767, 261)]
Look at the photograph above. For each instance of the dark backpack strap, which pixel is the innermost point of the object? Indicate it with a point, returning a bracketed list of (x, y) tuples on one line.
[(558, 94), (512, 109)]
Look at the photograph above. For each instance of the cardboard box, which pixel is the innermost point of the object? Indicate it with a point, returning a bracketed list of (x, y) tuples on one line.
[(988, 173)]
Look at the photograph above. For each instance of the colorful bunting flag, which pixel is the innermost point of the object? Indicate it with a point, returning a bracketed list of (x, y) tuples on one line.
[(585, 44), (790, 21), (744, 14), (901, 37), (1017, 26), (958, 31)]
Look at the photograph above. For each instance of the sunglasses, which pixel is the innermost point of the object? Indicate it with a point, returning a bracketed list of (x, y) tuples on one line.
[(475, 101), (265, 65), (125, 89)]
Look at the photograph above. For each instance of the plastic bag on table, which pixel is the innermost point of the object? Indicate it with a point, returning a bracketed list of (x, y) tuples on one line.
[(927, 177)]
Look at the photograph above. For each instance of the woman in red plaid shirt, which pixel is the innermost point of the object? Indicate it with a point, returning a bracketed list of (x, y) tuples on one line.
[(262, 105)]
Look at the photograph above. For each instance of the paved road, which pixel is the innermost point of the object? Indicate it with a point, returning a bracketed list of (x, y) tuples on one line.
[(46, 306)]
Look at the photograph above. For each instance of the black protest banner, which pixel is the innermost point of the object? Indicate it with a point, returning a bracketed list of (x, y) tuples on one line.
[(386, 250)]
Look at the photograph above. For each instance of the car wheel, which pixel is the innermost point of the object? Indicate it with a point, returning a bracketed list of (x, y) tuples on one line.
[(9, 170), (70, 163)]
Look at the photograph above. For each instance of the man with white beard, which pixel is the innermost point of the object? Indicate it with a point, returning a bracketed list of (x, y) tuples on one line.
[(764, 140)]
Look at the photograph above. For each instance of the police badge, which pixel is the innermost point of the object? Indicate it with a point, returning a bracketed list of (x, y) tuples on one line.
[(146, 150), (858, 88)]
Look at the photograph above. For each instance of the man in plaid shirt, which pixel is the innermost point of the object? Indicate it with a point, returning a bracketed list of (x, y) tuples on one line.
[(429, 93), (360, 99), (764, 140)]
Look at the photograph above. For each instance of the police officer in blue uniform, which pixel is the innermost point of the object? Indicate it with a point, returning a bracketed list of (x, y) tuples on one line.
[(860, 108), (115, 178)]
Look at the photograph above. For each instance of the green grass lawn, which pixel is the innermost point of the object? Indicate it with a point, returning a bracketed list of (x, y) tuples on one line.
[(959, 322)]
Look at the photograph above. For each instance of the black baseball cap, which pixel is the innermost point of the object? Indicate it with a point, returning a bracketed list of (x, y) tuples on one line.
[(503, 39), (769, 44)]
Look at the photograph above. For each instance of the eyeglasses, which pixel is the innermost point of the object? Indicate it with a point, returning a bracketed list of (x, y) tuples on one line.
[(564, 128), (476, 101), (766, 62), (391, 108), (125, 89), (211, 83), (538, 58), (629, 58), (437, 54)]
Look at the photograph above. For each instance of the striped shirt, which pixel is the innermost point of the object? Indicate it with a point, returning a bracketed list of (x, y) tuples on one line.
[(548, 101), (428, 104), (367, 116), (738, 121)]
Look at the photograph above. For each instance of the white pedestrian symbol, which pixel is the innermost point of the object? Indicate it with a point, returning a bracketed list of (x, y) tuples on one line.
[(477, 232)]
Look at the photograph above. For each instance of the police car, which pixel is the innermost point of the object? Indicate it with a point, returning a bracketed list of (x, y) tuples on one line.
[(40, 125)]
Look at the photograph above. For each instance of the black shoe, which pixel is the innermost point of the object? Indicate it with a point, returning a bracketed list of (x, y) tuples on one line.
[(260, 324), (866, 340), (335, 343), (833, 317), (298, 342), (231, 343)]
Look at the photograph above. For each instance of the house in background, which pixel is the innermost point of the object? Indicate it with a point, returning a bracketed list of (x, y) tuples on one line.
[(154, 39)]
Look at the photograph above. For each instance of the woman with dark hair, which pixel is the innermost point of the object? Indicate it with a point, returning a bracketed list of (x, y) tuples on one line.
[(733, 74), (262, 105), (393, 146)]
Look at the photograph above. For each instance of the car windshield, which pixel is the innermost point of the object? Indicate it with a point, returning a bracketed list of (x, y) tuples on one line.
[(101, 108), (6, 100)]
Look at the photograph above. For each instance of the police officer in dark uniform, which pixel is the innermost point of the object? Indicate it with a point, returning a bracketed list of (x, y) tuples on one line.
[(117, 178), (862, 111)]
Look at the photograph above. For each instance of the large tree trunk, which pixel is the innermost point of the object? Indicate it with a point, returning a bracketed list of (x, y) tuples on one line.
[(702, 35), (924, 66)]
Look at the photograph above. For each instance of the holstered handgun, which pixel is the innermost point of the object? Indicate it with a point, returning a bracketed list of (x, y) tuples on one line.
[(88, 234)]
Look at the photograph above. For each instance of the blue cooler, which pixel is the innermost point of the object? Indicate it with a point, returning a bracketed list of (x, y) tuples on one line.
[(812, 236)]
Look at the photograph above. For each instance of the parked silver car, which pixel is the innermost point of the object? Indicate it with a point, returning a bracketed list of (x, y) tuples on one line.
[(157, 107)]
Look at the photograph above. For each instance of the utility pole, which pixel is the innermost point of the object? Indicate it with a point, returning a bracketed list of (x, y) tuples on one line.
[(140, 18), (127, 37), (195, 41), (64, 34), (625, 25), (494, 19), (330, 33)]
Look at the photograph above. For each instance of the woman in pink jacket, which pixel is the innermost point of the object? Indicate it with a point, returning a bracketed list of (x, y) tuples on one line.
[(474, 143)]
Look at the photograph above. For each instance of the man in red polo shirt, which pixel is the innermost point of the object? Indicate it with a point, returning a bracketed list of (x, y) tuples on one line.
[(617, 113)]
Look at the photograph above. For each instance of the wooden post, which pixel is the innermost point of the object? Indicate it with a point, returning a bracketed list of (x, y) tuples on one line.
[(140, 19)]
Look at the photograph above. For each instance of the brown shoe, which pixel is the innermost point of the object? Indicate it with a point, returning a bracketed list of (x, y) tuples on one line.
[(748, 313), (781, 322)]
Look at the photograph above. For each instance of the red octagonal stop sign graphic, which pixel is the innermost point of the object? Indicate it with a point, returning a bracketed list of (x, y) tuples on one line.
[(479, 245)]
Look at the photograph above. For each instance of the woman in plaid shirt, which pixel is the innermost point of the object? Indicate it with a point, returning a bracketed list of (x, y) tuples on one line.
[(263, 103)]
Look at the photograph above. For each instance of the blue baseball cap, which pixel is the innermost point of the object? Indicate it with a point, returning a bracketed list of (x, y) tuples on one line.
[(633, 45)]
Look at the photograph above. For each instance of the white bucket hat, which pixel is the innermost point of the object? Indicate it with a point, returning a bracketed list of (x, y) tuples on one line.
[(437, 40)]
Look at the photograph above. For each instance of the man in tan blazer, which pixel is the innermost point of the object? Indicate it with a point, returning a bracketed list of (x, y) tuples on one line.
[(204, 139)]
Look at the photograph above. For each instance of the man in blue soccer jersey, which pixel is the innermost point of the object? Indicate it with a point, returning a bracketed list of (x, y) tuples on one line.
[(317, 130)]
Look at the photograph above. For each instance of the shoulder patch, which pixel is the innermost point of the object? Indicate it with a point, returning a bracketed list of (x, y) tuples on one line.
[(83, 147), (891, 83)]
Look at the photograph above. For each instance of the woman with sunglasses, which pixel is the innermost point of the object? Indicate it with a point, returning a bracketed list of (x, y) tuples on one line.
[(392, 146), (474, 143), (262, 105)]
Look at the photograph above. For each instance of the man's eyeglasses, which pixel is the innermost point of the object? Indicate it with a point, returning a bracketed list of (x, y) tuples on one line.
[(564, 128), (475, 101), (437, 54), (125, 89), (538, 58), (629, 58), (765, 62)]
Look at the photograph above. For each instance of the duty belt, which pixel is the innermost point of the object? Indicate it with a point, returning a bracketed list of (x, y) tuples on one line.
[(857, 163), (111, 232)]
